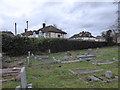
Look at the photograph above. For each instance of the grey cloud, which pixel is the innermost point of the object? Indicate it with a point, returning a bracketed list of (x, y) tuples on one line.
[(72, 18)]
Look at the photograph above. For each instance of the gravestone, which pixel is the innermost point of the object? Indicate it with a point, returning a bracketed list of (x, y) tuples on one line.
[(32, 55), (23, 78), (89, 78), (68, 53), (24, 84), (66, 57), (108, 74), (28, 60), (28, 53), (86, 56), (49, 51)]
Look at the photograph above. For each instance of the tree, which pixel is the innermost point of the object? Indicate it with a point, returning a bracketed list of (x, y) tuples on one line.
[(108, 36), (116, 27)]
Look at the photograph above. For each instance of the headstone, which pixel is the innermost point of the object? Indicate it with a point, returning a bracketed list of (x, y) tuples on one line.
[(23, 78), (32, 55), (108, 74), (28, 59), (69, 53), (49, 51), (92, 78), (28, 53), (66, 57), (86, 56), (70, 61)]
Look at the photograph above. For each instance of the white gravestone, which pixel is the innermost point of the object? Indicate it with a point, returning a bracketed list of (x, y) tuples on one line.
[(28, 60), (23, 78), (108, 74), (32, 55), (28, 53)]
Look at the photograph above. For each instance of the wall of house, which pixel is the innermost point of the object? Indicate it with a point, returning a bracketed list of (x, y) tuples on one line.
[(118, 40), (85, 38), (55, 35), (100, 40), (49, 35)]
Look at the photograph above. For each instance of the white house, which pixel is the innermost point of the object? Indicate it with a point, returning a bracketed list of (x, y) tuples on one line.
[(83, 36), (46, 32)]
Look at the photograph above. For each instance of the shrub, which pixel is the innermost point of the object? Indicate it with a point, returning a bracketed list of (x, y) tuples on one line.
[(16, 45)]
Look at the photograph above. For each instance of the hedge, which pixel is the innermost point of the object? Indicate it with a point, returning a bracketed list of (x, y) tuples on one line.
[(16, 45)]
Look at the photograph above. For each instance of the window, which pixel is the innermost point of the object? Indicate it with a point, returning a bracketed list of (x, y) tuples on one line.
[(58, 35), (46, 34)]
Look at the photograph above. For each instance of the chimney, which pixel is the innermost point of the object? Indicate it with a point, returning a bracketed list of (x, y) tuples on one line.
[(44, 25), (25, 30), (27, 24)]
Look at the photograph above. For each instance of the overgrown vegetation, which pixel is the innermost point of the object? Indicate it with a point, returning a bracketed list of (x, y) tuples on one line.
[(16, 45)]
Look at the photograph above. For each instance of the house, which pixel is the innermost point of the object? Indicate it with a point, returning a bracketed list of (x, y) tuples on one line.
[(100, 39), (7, 32), (83, 36), (118, 37), (46, 32)]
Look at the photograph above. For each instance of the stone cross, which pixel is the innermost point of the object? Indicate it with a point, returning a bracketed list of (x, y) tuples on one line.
[(23, 78), (108, 74)]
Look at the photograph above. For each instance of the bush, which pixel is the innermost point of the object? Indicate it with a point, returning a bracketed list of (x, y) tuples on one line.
[(16, 45)]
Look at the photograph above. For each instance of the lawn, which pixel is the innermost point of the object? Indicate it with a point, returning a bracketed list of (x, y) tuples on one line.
[(58, 75)]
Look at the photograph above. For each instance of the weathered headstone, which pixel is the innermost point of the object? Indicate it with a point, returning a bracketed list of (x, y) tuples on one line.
[(86, 56), (68, 53), (32, 55), (66, 57), (108, 74), (23, 78), (28, 53), (71, 61), (92, 78), (28, 60), (49, 51), (24, 84)]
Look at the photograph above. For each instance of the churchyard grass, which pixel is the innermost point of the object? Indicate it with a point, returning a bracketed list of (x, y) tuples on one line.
[(58, 75)]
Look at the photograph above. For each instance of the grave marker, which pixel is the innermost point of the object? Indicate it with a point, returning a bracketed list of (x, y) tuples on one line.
[(32, 55), (108, 74), (28, 53), (93, 78), (28, 60), (23, 78), (49, 51)]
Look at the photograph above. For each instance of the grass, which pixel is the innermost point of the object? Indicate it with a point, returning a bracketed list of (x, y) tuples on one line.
[(54, 76)]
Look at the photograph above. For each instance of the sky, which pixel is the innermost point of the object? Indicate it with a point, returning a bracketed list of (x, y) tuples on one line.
[(71, 16)]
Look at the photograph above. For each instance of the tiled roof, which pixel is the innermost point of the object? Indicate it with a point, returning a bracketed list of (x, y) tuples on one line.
[(51, 29), (28, 33), (7, 32), (45, 29), (82, 34)]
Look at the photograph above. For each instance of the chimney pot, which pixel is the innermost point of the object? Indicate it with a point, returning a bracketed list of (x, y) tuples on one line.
[(25, 30), (44, 25)]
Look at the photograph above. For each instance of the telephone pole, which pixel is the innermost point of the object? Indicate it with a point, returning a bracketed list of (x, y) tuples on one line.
[(27, 25)]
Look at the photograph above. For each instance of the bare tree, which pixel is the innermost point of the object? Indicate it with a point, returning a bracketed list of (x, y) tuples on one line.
[(108, 36), (116, 27)]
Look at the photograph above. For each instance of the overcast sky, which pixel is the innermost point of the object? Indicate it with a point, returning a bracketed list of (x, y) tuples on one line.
[(72, 17)]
